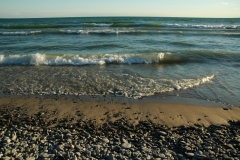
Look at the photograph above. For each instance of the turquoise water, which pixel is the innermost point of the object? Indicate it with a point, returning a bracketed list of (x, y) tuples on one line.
[(135, 57)]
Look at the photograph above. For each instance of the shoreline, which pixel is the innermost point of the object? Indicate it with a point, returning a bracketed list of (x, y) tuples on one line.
[(69, 127), (103, 109)]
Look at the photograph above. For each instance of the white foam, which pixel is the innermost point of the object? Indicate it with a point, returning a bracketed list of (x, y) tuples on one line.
[(91, 31), (75, 60), (38, 59), (102, 24), (105, 30), (34, 32), (13, 59), (68, 31), (75, 31), (161, 55), (14, 33), (1, 58), (203, 26), (82, 31), (207, 79), (101, 59), (189, 83), (20, 33), (122, 84)]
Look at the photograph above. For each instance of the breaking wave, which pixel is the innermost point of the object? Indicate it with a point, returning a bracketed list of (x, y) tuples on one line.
[(102, 59), (44, 59)]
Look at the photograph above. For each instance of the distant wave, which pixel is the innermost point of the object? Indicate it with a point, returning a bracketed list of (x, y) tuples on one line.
[(201, 26), (31, 26), (105, 31), (117, 24), (162, 25), (101, 24), (120, 25), (113, 31), (17, 33)]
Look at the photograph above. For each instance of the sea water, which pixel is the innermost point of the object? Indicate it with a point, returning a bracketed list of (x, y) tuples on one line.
[(135, 57)]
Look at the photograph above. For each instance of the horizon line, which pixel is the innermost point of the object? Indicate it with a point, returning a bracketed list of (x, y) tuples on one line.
[(113, 17)]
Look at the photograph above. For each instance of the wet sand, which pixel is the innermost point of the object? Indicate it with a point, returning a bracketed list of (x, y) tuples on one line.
[(55, 110)]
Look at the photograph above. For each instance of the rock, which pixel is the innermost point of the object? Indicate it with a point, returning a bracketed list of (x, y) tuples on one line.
[(60, 147), (187, 148), (44, 155), (106, 140), (226, 108), (6, 140), (14, 136), (117, 140), (126, 145), (217, 149), (162, 133), (19, 158), (149, 157), (161, 156), (201, 156), (211, 152), (74, 157), (180, 155), (124, 140), (229, 146), (168, 154), (145, 149), (198, 153), (6, 158), (189, 154), (111, 157), (69, 141)]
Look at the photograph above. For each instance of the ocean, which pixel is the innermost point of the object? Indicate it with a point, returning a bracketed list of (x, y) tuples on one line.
[(133, 57)]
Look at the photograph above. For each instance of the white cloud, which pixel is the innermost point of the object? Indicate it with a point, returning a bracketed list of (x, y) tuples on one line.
[(224, 3)]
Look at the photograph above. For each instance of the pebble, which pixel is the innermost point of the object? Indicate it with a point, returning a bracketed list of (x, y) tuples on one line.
[(126, 145), (163, 133), (116, 140), (189, 154), (106, 140)]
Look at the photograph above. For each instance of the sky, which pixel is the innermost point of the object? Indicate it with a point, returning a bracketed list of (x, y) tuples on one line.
[(93, 8)]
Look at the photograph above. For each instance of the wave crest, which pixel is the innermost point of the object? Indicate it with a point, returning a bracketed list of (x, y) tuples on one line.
[(100, 59), (17, 33)]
